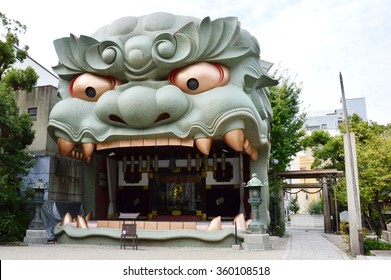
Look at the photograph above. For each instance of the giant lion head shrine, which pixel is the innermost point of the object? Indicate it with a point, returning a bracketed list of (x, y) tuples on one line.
[(170, 117)]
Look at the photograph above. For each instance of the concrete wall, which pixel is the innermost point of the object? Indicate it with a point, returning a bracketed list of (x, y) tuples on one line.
[(41, 170), (63, 177), (306, 220), (66, 179), (90, 179), (43, 98)]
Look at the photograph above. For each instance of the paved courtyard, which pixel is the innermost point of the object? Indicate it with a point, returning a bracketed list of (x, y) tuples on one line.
[(297, 244), (296, 250)]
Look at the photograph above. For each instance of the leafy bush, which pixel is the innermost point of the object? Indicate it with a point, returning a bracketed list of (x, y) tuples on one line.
[(276, 227), (315, 207), (15, 210), (373, 244), (344, 230), (294, 205)]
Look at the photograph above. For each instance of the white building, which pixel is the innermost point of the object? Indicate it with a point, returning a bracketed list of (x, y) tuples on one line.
[(330, 120)]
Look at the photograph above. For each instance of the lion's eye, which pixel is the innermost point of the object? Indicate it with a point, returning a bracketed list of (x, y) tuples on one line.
[(90, 87), (199, 77)]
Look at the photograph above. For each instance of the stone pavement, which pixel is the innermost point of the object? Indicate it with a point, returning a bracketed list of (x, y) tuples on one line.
[(312, 244), (296, 244)]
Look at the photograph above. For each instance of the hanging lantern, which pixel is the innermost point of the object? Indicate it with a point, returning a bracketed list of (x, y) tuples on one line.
[(156, 164), (205, 166), (132, 164), (124, 164), (197, 162), (172, 165), (223, 161), (148, 167), (189, 162), (205, 162), (140, 163)]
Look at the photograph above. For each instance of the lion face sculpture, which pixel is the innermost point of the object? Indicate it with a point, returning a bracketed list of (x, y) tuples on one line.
[(163, 79)]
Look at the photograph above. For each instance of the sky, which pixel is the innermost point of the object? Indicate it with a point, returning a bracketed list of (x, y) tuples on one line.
[(312, 41)]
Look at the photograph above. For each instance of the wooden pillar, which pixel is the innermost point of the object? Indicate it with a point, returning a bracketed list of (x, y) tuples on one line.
[(281, 205), (326, 206), (241, 186)]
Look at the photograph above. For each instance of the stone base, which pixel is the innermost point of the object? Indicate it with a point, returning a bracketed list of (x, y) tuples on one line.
[(236, 247), (386, 235), (34, 236), (256, 242)]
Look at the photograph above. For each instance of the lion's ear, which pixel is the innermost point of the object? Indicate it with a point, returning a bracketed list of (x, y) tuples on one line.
[(259, 93), (260, 82)]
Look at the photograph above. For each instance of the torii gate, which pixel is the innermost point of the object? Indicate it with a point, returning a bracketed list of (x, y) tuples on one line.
[(321, 175)]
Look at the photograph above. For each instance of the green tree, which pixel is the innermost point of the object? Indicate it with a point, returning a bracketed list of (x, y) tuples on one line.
[(10, 52), (373, 144), (327, 150), (374, 165), (15, 211), (287, 126), (20, 79), (287, 129), (315, 207), (294, 205), (16, 134)]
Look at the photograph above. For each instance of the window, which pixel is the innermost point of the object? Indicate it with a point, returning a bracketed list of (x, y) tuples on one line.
[(313, 127), (324, 126), (32, 112), (339, 122)]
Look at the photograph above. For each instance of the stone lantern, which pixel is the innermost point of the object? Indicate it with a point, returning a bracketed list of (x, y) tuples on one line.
[(36, 234), (255, 238), (39, 191), (255, 199)]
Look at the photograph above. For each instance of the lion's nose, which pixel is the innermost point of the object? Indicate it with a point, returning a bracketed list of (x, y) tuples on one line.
[(142, 107)]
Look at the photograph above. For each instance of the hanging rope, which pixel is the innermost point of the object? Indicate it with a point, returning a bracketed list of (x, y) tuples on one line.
[(303, 190), (292, 192)]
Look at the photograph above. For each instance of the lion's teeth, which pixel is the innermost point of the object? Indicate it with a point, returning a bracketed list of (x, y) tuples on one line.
[(246, 144), (254, 156), (88, 160), (204, 144), (65, 147), (250, 150), (235, 139), (87, 149)]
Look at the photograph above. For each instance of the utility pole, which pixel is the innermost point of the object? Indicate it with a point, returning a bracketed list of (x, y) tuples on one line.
[(355, 226), (276, 204)]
